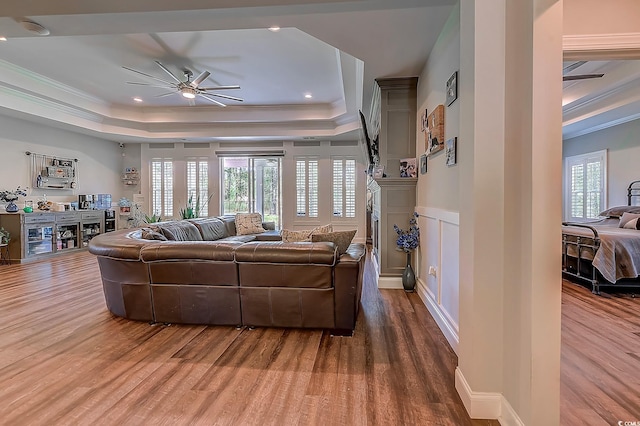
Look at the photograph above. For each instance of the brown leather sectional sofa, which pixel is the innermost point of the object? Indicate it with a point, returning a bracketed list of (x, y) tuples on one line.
[(251, 280)]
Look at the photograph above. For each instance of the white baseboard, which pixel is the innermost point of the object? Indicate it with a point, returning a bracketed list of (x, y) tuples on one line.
[(390, 283), (450, 333), (486, 405)]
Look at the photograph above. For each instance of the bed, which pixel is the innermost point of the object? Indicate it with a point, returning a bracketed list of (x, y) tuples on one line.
[(605, 252)]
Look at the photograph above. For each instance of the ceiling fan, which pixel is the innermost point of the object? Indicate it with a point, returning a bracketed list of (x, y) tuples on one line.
[(189, 89), (572, 67)]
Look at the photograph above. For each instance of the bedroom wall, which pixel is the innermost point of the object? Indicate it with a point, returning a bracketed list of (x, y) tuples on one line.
[(622, 143), (438, 190), (99, 160)]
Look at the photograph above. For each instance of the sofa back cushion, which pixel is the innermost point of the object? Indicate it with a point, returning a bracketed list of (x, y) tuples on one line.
[(211, 228), (181, 230)]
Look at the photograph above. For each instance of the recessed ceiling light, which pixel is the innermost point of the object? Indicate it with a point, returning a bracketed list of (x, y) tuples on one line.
[(308, 96), (3, 38), (274, 28), (137, 99), (34, 27)]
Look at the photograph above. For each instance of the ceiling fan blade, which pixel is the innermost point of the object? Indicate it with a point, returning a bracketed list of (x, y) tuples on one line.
[(220, 87), (148, 75), (580, 77), (166, 86), (165, 69), (209, 98), (165, 94), (199, 79), (226, 97), (573, 66)]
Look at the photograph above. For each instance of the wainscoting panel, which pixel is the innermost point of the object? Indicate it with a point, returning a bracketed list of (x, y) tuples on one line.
[(438, 268)]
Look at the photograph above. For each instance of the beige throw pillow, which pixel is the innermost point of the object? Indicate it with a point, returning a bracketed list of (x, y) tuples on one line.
[(632, 224), (289, 236), (249, 223), (342, 239), (627, 217)]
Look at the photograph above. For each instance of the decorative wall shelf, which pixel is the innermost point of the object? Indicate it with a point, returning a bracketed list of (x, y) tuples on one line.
[(49, 172)]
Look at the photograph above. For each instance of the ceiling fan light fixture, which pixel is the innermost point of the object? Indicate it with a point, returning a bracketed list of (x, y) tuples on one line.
[(188, 92)]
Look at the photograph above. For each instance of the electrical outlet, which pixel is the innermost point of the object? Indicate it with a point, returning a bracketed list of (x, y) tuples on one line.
[(433, 270)]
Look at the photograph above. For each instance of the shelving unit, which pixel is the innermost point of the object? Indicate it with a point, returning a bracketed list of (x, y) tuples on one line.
[(131, 177)]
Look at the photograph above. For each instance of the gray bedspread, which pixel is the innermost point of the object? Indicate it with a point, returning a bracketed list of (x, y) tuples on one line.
[(619, 253)]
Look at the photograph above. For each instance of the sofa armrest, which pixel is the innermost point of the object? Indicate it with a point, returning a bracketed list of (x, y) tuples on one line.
[(348, 277)]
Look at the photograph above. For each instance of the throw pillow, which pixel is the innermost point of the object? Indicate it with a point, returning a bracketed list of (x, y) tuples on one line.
[(150, 234), (181, 230), (626, 217), (341, 239), (322, 229), (248, 223), (295, 236), (632, 224)]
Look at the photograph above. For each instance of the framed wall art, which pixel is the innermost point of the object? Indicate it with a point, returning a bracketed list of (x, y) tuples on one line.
[(452, 88), (434, 136), (450, 151), (423, 164)]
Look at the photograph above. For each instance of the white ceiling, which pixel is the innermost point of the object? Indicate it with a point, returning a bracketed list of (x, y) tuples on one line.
[(334, 50)]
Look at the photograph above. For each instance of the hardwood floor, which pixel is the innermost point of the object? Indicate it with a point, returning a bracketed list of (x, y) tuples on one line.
[(65, 360), (600, 367)]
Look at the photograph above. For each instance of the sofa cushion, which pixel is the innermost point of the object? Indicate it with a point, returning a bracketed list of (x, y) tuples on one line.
[(283, 252), (181, 230), (210, 228), (342, 239), (249, 223)]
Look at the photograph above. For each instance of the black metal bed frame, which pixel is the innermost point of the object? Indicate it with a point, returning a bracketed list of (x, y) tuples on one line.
[(581, 267)]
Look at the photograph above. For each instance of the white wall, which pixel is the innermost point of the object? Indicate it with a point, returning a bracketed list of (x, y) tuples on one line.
[(622, 143), (98, 167), (438, 192)]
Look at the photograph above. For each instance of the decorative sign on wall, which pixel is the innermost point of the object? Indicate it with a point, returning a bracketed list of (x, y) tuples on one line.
[(434, 135), (452, 88), (450, 151)]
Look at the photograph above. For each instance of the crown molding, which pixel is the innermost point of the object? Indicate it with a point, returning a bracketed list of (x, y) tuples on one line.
[(601, 46)]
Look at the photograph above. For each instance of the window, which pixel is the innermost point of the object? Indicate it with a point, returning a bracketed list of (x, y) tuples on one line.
[(344, 187), (198, 185), (585, 185), (307, 187), (251, 185), (162, 187)]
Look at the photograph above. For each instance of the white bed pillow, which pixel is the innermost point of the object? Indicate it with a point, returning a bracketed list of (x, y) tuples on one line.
[(632, 224), (627, 217)]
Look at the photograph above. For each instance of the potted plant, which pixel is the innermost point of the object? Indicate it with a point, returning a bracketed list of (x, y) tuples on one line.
[(5, 236), (10, 197), (408, 241)]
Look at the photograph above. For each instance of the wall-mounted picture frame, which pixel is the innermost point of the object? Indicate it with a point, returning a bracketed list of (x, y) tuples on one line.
[(434, 136), (450, 151), (423, 164), (423, 121), (452, 88), (408, 167), (378, 172)]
